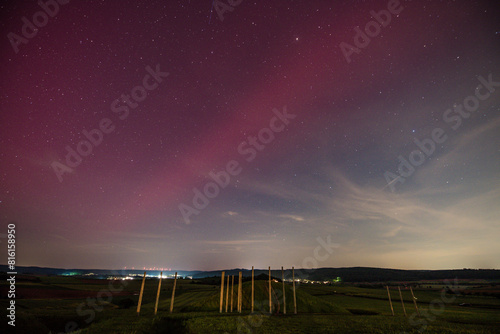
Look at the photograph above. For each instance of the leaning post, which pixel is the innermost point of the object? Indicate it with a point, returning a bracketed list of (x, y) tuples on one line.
[(158, 293), (140, 294), (173, 294), (414, 301), (402, 302), (390, 301)]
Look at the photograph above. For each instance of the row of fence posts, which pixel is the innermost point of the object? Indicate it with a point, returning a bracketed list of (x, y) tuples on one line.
[(240, 292), (402, 302), (157, 294)]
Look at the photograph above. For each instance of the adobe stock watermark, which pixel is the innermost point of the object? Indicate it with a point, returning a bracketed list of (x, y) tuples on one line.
[(438, 135), (40, 19), (372, 29), (121, 107), (436, 307), (89, 308), (248, 150), (222, 7)]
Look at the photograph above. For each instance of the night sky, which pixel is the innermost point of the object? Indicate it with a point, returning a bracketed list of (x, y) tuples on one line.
[(280, 126)]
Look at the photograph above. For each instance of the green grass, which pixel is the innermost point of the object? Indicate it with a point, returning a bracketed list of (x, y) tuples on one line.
[(321, 309), (304, 323), (209, 299)]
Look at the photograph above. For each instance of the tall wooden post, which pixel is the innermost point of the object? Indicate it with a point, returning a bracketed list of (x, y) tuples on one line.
[(294, 297), (414, 301), (402, 302), (239, 296), (240, 292), (232, 291), (221, 292), (270, 301), (227, 293), (252, 289), (158, 293), (390, 301), (284, 298), (173, 294), (140, 294)]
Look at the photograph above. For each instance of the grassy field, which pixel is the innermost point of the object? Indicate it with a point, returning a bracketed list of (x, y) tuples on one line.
[(61, 304)]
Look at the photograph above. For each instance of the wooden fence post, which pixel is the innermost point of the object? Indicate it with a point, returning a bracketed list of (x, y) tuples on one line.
[(270, 301), (240, 292), (232, 292), (140, 294), (390, 301), (284, 298), (252, 289), (158, 293), (173, 294), (227, 293), (221, 292), (402, 302), (294, 297), (414, 301)]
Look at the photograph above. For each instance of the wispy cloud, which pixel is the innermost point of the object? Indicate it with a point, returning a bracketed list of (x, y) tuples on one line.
[(293, 217), (368, 219), (235, 242), (230, 213), (142, 236)]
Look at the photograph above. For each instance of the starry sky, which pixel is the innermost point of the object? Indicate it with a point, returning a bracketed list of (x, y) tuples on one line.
[(307, 120)]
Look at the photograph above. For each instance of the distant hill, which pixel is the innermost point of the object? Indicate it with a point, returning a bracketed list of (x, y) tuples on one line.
[(354, 274), (363, 274), (366, 274)]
